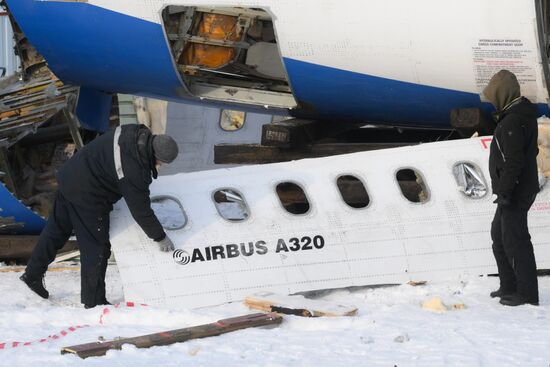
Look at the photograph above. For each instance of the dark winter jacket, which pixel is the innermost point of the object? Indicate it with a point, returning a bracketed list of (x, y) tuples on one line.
[(90, 179), (513, 157)]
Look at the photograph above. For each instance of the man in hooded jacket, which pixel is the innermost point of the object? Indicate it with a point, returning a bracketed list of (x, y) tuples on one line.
[(120, 163), (514, 179)]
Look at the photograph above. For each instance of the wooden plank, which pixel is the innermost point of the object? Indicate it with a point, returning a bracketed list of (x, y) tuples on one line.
[(20, 247), (35, 93), (416, 283), (258, 154), (297, 305), (20, 269), (66, 256), (175, 336)]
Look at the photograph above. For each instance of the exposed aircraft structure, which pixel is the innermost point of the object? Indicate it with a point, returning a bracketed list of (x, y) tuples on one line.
[(298, 226), (26, 106), (397, 63)]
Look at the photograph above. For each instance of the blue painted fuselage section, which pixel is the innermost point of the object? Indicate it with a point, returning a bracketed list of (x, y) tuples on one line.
[(107, 52), (100, 49), (113, 52), (25, 221)]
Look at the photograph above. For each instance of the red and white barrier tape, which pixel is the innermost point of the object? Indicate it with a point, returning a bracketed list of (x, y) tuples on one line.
[(59, 335), (106, 311)]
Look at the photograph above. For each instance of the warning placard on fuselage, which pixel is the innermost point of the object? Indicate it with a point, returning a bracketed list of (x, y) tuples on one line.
[(491, 55)]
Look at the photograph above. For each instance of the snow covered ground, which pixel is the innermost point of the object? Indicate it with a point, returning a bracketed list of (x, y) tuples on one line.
[(390, 329)]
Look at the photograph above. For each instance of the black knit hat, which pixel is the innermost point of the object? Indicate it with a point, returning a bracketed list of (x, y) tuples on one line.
[(165, 148)]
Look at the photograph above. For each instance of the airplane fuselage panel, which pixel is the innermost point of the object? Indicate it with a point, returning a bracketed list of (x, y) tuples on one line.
[(398, 62)]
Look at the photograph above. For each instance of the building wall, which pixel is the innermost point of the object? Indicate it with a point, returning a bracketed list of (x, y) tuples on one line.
[(8, 59)]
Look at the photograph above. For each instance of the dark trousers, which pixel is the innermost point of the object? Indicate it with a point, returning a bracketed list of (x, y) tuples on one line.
[(513, 250), (92, 234)]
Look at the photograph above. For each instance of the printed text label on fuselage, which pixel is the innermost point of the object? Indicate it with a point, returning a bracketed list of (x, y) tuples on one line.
[(233, 250)]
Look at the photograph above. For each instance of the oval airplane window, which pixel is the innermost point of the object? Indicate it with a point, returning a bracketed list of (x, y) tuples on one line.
[(469, 179), (169, 212), (353, 191), (231, 120), (412, 185), (231, 205), (293, 198)]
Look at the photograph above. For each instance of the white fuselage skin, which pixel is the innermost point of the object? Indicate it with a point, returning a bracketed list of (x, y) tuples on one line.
[(392, 240), (433, 43)]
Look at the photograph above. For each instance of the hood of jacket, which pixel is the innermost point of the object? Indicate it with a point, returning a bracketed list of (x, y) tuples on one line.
[(522, 107), (502, 90)]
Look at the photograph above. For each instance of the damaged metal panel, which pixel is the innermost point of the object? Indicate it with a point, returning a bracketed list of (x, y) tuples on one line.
[(228, 54), (237, 94), (27, 179), (390, 240), (26, 105), (470, 180)]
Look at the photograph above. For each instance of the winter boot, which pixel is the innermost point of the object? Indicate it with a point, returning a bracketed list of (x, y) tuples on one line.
[(102, 303), (517, 300), (35, 285), (500, 293)]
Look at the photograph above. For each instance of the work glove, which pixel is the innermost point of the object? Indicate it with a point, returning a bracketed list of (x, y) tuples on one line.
[(166, 244), (503, 200)]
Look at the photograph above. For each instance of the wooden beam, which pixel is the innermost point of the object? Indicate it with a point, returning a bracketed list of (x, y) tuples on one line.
[(297, 305), (20, 247), (175, 336), (259, 154), (66, 256)]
